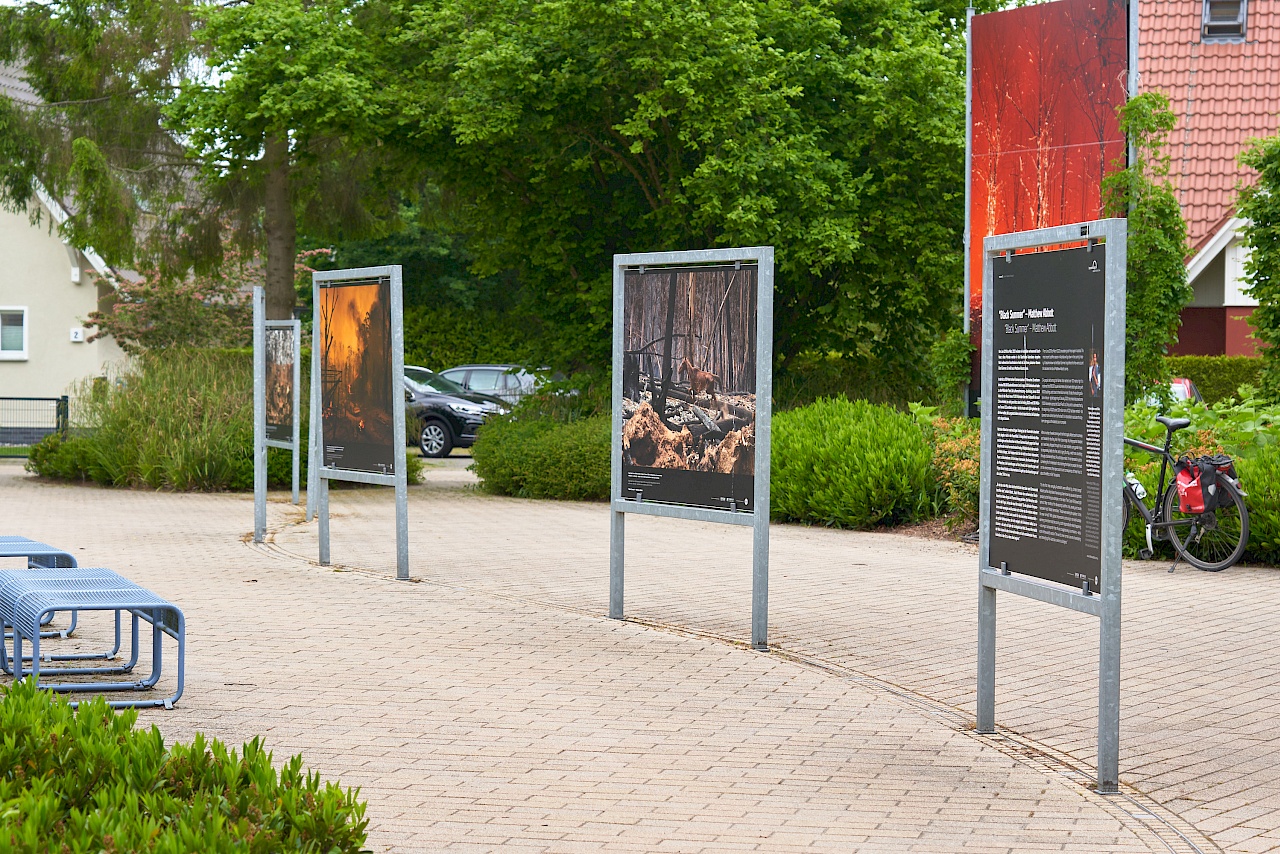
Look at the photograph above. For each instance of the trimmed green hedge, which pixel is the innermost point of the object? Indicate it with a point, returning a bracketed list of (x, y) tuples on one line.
[(1217, 377), (849, 465), (88, 780), (543, 458)]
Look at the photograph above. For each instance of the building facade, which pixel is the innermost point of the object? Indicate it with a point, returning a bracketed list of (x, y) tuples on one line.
[(1218, 61), (47, 290)]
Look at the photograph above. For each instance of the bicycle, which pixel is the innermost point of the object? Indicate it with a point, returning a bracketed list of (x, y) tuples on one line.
[(1212, 540)]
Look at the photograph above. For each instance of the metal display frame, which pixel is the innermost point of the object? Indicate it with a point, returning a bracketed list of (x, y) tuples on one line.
[(319, 474), (1105, 605), (758, 518), (260, 440)]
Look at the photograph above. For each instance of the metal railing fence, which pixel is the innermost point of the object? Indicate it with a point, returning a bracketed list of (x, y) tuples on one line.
[(24, 421)]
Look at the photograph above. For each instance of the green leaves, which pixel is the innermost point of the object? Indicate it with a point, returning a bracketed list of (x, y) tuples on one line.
[(544, 458), (279, 66), (565, 131), (88, 781), (1260, 205), (1157, 244), (849, 465)]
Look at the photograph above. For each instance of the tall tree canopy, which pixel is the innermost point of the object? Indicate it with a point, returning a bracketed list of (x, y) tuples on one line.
[(178, 129), (561, 132), (104, 71), (279, 128), (553, 134)]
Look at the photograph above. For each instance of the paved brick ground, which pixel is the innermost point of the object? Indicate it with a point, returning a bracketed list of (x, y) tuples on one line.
[(491, 704)]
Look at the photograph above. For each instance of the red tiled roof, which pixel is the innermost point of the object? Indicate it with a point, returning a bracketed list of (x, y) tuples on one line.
[(1224, 94)]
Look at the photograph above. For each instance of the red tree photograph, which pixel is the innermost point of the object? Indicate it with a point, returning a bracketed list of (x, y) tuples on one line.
[(1047, 80)]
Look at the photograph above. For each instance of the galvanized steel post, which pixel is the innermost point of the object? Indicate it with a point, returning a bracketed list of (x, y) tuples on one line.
[(398, 428), (259, 415), (617, 518)]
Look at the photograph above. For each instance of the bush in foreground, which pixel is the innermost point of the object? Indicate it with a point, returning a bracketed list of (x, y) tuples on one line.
[(88, 780)]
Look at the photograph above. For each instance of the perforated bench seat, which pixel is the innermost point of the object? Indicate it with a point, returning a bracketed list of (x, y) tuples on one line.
[(36, 553), (40, 555), (94, 590), (15, 582)]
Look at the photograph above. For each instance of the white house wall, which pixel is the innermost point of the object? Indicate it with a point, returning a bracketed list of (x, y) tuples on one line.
[(36, 273), (1234, 283)]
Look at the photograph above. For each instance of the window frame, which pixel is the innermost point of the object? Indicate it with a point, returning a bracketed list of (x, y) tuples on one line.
[(1242, 19), (23, 354)]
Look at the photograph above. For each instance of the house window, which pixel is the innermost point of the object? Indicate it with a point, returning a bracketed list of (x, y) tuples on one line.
[(1224, 20), (13, 333)]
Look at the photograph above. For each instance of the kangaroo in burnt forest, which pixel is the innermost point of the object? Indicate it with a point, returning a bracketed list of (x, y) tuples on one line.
[(699, 381)]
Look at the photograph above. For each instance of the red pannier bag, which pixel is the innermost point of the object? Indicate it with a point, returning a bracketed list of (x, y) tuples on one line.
[(1210, 468), (1187, 480)]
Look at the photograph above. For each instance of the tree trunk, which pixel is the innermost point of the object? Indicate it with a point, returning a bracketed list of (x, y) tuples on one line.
[(281, 225), (660, 403)]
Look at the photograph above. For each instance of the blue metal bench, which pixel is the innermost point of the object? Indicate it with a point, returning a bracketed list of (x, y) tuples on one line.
[(27, 604), (15, 582), (40, 555)]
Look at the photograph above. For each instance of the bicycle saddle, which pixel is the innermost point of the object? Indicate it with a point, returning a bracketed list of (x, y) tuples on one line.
[(1174, 423)]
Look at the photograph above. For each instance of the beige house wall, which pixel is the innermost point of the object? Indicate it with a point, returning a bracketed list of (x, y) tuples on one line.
[(36, 274)]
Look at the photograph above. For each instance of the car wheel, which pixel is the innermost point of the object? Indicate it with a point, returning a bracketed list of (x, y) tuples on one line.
[(435, 440)]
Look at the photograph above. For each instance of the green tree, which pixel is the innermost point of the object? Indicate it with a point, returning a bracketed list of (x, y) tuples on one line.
[(1156, 275), (563, 132), (1260, 206), (183, 131), (103, 71), (276, 128)]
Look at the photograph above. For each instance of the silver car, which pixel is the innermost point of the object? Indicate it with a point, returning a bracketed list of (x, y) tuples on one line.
[(509, 382)]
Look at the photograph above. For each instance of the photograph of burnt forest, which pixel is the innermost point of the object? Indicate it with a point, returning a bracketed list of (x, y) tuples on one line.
[(689, 385), (356, 385), (280, 385)]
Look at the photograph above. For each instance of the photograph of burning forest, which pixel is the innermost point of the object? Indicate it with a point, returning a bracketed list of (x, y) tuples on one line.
[(1047, 80), (280, 346), (355, 383), (689, 386)]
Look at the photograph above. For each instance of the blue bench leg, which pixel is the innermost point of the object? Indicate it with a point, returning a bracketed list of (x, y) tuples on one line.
[(81, 656)]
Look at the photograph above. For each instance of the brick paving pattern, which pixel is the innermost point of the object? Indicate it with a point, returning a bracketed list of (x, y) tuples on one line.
[(491, 704)]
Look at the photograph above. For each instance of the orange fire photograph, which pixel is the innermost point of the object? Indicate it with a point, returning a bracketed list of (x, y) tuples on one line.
[(356, 382)]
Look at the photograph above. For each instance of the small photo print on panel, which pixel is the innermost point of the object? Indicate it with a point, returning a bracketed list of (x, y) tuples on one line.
[(689, 385), (280, 352)]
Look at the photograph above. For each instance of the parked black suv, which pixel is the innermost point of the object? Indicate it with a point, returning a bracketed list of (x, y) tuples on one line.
[(447, 415)]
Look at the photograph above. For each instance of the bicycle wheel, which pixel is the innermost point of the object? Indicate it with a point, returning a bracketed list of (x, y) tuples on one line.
[(1214, 540), (1126, 515)]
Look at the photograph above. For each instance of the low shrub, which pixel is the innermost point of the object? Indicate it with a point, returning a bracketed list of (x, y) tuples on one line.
[(544, 458), (849, 465), (1260, 475), (176, 419), (956, 465), (1217, 377), (87, 780)]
